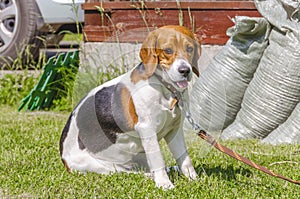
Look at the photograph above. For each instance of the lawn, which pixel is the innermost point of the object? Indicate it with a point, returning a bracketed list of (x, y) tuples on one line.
[(30, 167)]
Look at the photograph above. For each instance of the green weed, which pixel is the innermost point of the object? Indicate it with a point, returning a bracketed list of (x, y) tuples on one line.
[(15, 86)]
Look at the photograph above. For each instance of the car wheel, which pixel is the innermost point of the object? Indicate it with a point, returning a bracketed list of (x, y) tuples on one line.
[(19, 37)]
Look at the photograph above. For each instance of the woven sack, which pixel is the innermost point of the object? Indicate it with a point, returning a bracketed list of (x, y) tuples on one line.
[(274, 91), (217, 94)]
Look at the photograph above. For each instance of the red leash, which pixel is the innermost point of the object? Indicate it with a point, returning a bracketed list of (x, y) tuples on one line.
[(208, 138)]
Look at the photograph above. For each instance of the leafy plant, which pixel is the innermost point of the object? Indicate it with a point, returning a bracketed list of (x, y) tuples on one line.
[(15, 86), (64, 88)]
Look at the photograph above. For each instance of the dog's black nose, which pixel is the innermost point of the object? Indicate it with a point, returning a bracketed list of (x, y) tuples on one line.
[(184, 70)]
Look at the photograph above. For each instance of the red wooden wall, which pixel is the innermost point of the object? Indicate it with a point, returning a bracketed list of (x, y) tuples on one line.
[(130, 21)]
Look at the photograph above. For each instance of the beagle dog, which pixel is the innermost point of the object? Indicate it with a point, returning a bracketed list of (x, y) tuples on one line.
[(118, 125)]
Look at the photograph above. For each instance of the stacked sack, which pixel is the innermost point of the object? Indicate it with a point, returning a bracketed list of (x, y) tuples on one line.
[(274, 91), (251, 89), (289, 131), (218, 93)]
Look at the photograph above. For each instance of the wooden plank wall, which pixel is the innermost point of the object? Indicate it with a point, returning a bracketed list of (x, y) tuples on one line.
[(130, 21)]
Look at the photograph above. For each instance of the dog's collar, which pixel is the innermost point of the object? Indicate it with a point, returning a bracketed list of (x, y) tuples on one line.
[(177, 95)]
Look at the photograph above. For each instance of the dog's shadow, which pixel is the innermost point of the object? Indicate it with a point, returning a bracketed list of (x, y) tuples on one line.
[(228, 173)]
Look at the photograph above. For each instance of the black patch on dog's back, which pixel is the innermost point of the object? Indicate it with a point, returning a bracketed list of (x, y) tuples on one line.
[(103, 108), (90, 133), (110, 111), (100, 117)]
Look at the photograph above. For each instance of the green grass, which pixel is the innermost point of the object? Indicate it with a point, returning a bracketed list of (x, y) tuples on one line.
[(30, 167), (73, 37)]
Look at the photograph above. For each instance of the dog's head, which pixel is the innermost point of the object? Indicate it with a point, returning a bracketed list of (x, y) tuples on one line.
[(175, 50)]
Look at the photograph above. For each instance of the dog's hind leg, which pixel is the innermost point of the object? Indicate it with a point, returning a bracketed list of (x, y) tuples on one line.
[(75, 156)]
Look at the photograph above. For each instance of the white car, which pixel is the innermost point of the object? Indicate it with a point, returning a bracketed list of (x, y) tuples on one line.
[(23, 22)]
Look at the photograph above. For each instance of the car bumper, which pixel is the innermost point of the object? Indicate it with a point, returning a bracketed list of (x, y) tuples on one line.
[(61, 11)]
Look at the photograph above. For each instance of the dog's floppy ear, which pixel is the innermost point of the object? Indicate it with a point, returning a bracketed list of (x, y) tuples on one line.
[(148, 53), (197, 53)]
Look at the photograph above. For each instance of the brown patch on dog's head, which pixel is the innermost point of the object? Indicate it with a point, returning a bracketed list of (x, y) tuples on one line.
[(182, 30), (163, 45), (196, 43)]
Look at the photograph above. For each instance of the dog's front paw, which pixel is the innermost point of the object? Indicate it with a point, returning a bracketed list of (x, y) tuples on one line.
[(165, 185), (186, 167), (189, 172), (162, 180)]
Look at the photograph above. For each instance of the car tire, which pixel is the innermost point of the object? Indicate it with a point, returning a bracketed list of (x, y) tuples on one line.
[(19, 37)]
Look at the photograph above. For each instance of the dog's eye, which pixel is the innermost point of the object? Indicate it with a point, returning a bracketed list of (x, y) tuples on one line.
[(189, 49), (168, 51)]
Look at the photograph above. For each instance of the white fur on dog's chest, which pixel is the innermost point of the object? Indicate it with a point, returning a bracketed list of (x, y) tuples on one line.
[(167, 121)]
